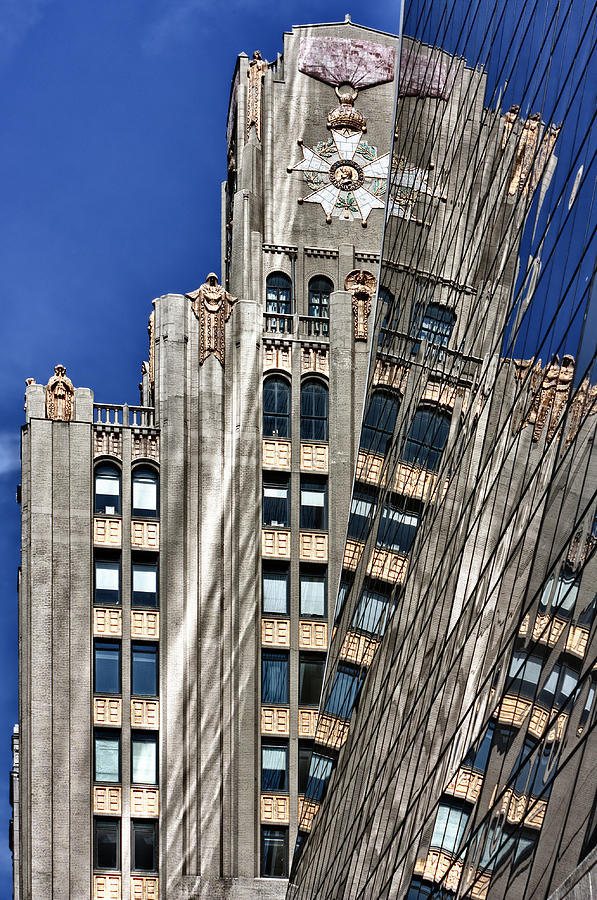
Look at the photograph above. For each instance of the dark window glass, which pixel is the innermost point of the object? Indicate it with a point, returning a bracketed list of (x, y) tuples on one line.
[(524, 674), (314, 411), (145, 492), (278, 293), (304, 761), (313, 584), (560, 599), (144, 667), (320, 289), (343, 693), (397, 528), (379, 422), (342, 594), (145, 582), (106, 755), (320, 769), (362, 512), (478, 756), (559, 686), (107, 490), (274, 852), (275, 590), (531, 765), (106, 580), (274, 767), (314, 503), (426, 438), (144, 758), (390, 311), (274, 677), (310, 679), (372, 613), (106, 843), (144, 846), (276, 501), (106, 670), (276, 407), (434, 325)]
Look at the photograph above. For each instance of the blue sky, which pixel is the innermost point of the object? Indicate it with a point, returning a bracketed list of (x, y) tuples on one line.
[(113, 152)]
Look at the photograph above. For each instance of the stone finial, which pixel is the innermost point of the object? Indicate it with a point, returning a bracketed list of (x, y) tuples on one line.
[(361, 284), (212, 306), (257, 69), (59, 396)]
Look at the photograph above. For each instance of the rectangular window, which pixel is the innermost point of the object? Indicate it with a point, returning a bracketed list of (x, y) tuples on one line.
[(145, 497), (305, 749), (434, 325), (320, 769), (144, 666), (145, 582), (525, 671), (106, 843), (144, 758), (372, 612), (311, 668), (314, 505), (275, 590), (342, 594), (106, 581), (397, 528), (343, 694), (274, 767), (106, 755), (106, 669), (362, 512), (274, 677), (144, 846), (274, 852), (313, 583), (276, 502), (449, 828)]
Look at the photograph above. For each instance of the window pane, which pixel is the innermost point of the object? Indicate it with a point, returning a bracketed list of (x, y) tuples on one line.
[(145, 760), (314, 411), (274, 677), (107, 757), (274, 768), (362, 511), (310, 680), (106, 844), (304, 761), (107, 581), (107, 668), (144, 846), (313, 504), (274, 852), (449, 828), (379, 422), (313, 594), (372, 613), (276, 408), (426, 438), (145, 670), (107, 484), (397, 529), (107, 490), (276, 503), (320, 770), (275, 592), (145, 496), (145, 584), (343, 693)]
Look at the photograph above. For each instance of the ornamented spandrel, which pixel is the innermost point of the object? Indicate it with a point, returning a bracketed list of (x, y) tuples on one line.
[(361, 284), (212, 305), (551, 389), (257, 69), (59, 396)]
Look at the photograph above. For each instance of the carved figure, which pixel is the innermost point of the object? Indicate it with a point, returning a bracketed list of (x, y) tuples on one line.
[(257, 69), (59, 396), (361, 284), (212, 305), (151, 335), (525, 155)]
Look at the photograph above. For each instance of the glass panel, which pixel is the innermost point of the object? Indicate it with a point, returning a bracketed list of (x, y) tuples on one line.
[(310, 680), (107, 758), (276, 505), (372, 613), (342, 696), (144, 846), (397, 529), (313, 595), (107, 484), (275, 592), (426, 438), (274, 678), (274, 768), (107, 668), (379, 422), (276, 408), (145, 496), (107, 490), (313, 505), (145, 760), (449, 828), (145, 670), (106, 844), (319, 773), (314, 411), (145, 584), (362, 511), (274, 852), (107, 581), (304, 761)]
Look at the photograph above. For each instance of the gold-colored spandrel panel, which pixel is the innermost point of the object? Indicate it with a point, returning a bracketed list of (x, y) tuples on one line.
[(314, 458), (352, 553), (107, 711), (275, 720), (275, 632), (414, 482), (145, 887), (145, 713), (107, 887), (145, 446), (107, 532), (390, 375), (307, 810), (577, 640), (276, 356), (145, 802), (387, 566), (275, 544), (440, 866), (314, 360), (331, 732), (466, 785), (107, 621), (313, 635), (145, 535), (369, 467), (107, 443), (276, 454), (313, 546), (107, 800), (358, 648), (145, 623), (275, 808), (522, 808), (442, 394), (307, 721)]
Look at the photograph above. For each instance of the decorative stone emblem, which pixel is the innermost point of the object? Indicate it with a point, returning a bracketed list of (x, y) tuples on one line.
[(212, 305), (257, 69), (409, 184), (59, 396), (361, 284), (551, 389)]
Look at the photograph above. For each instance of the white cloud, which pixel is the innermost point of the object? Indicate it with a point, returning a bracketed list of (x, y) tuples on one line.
[(17, 18), (9, 453)]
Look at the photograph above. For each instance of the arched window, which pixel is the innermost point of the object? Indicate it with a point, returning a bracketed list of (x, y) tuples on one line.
[(145, 492), (432, 323), (379, 422), (276, 407), (320, 289), (314, 411), (427, 438), (389, 311), (107, 490), (278, 293)]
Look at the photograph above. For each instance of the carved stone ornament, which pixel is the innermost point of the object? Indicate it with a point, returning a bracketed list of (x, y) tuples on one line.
[(257, 69), (59, 396), (361, 284), (550, 388), (151, 336), (212, 305)]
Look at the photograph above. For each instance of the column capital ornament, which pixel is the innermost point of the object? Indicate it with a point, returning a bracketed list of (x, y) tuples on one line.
[(212, 306), (361, 284), (59, 396), (257, 69)]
